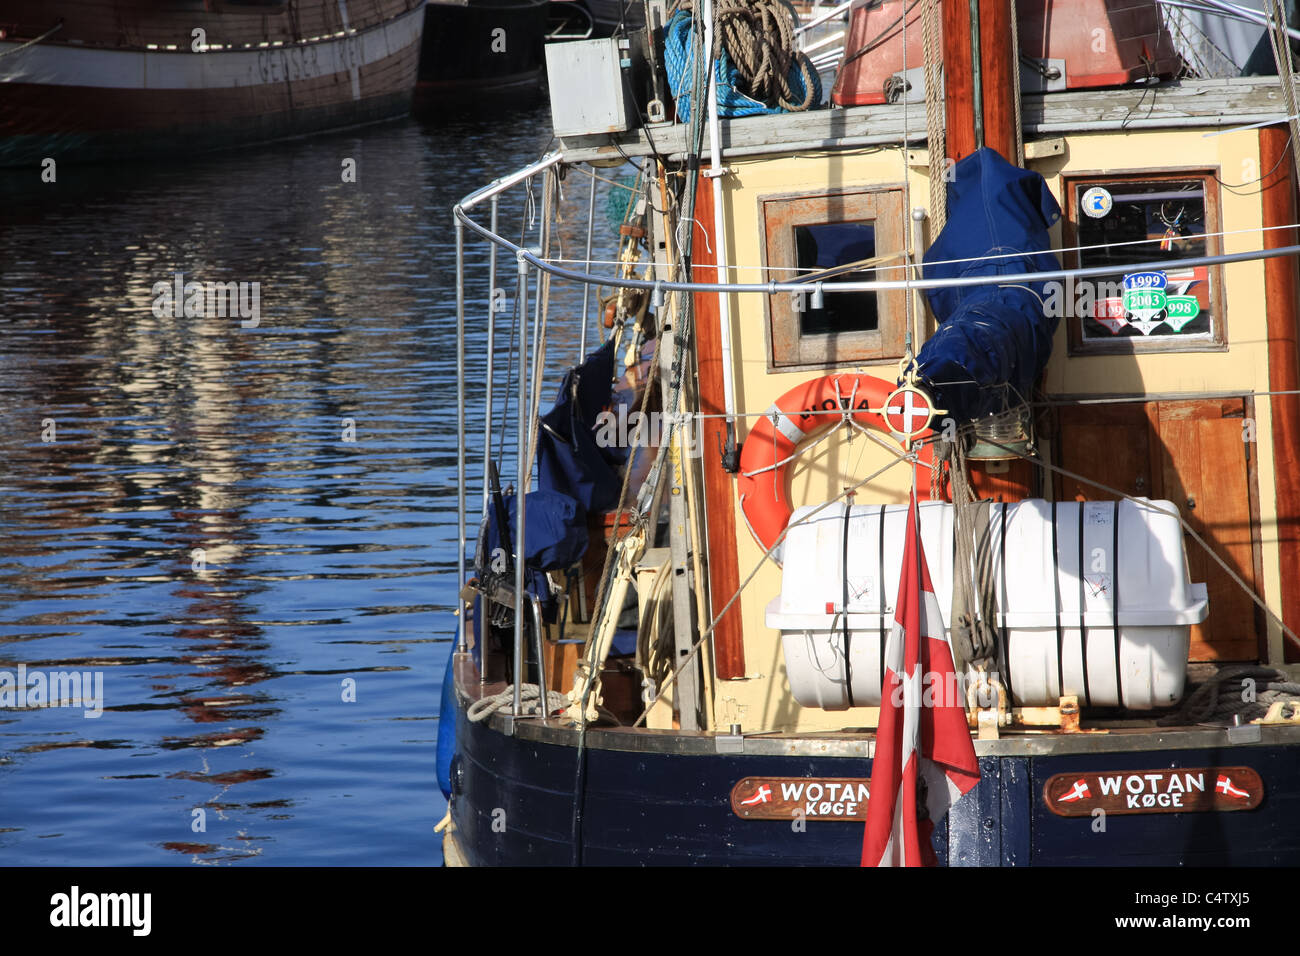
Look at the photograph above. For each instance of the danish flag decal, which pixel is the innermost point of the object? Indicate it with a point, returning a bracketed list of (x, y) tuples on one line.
[(924, 759), (1224, 785), (762, 795), (1078, 792)]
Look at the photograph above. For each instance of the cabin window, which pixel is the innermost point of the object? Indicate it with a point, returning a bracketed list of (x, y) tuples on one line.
[(829, 233), (1127, 220)]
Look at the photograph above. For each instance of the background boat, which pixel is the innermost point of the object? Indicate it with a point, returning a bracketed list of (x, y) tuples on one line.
[(88, 80), (589, 19), (476, 48)]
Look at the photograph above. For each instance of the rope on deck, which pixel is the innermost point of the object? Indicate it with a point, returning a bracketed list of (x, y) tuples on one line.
[(485, 707), (1247, 690)]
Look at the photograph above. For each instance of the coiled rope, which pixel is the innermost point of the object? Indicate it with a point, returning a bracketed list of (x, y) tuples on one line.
[(759, 37), (485, 707), (1246, 689), (758, 65)]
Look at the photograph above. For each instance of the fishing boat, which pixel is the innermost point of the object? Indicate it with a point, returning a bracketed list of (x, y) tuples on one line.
[(481, 48), (590, 19), (960, 396), (104, 80)]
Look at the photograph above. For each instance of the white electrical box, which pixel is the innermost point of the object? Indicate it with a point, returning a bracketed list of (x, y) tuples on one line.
[(588, 92), (1093, 599)]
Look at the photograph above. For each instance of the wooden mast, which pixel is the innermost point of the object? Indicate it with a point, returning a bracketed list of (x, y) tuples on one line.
[(979, 97), (980, 106)]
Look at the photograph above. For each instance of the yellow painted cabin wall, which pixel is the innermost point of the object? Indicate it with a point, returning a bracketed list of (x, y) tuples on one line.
[(762, 700)]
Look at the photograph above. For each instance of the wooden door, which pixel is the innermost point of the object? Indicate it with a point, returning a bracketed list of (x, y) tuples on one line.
[(1193, 454)]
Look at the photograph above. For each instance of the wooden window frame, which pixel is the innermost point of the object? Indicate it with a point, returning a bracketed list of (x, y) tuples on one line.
[(1138, 345), (778, 215)]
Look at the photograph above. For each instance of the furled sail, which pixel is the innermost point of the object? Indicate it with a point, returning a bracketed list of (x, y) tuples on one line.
[(989, 336)]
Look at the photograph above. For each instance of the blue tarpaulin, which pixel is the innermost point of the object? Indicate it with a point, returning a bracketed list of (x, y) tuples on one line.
[(569, 460), (989, 336)]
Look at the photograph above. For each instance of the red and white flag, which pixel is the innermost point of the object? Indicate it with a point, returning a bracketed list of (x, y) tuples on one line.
[(1078, 792), (1224, 786), (918, 745)]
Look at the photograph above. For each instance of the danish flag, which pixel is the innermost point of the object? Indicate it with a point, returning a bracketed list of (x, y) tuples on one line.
[(1078, 793), (762, 795), (1224, 785), (924, 759)]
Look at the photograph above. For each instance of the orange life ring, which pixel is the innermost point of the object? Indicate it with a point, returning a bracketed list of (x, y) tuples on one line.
[(800, 412)]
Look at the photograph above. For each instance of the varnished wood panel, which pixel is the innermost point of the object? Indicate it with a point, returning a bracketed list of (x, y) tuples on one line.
[(724, 571), (1203, 471), (1014, 484), (1191, 453)]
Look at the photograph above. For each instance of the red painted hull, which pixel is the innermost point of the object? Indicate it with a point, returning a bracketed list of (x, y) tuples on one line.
[(91, 91)]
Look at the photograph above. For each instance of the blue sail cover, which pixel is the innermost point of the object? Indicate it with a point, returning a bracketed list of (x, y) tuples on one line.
[(990, 335), (554, 536)]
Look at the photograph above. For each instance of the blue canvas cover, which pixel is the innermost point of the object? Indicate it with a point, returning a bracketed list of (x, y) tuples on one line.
[(554, 537), (569, 460), (992, 335)]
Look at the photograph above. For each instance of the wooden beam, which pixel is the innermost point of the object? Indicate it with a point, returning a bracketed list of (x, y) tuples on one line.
[(958, 86), (1280, 288), (724, 567), (1201, 103)]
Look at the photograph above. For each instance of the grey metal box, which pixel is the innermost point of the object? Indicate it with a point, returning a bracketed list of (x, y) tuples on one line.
[(588, 95)]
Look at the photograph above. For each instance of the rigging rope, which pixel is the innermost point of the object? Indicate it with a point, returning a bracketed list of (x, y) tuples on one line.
[(973, 615), (935, 134), (1285, 70), (1015, 84)]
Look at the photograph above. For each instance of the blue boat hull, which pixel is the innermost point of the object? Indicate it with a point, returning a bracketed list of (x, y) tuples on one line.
[(513, 805)]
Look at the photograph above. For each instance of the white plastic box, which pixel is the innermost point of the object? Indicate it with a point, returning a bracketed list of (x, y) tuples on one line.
[(1050, 615), (588, 94)]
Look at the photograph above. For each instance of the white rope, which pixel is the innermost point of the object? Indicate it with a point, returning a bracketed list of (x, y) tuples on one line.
[(485, 707)]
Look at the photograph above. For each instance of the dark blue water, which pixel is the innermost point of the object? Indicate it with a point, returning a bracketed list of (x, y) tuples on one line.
[(284, 678)]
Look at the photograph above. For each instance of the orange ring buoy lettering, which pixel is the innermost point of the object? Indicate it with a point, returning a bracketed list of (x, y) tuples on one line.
[(797, 414)]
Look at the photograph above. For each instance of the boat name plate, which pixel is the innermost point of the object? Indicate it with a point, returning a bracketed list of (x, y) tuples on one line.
[(1170, 790), (801, 798)]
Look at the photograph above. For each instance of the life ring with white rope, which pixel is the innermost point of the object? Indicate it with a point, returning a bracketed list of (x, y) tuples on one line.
[(804, 410)]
